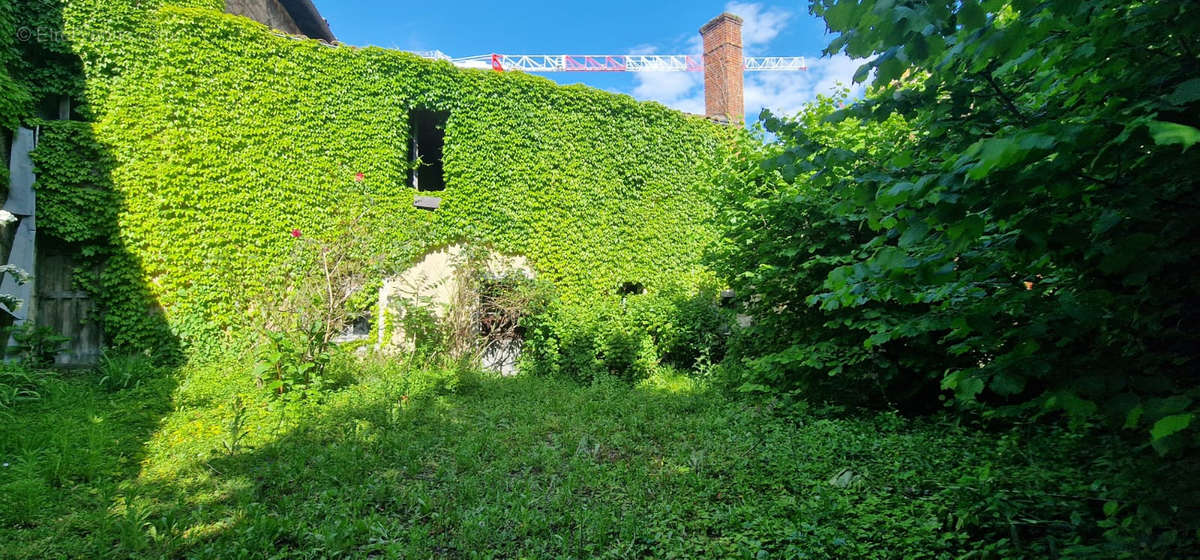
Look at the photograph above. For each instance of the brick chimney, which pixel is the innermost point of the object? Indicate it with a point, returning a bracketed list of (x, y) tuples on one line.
[(723, 67)]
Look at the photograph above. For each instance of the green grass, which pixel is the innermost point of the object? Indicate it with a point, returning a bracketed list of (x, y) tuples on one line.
[(484, 467)]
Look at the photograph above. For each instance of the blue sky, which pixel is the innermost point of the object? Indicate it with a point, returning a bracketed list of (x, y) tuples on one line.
[(466, 28)]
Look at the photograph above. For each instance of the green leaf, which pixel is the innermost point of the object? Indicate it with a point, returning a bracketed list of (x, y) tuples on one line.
[(969, 388), (999, 153), (1170, 425), (1007, 384), (1110, 508), (1187, 92), (1134, 416), (895, 195), (916, 231), (1167, 133), (967, 230), (1107, 221), (889, 68), (840, 16), (862, 73), (971, 15)]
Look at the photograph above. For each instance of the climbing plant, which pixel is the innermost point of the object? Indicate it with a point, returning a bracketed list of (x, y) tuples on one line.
[(14, 99), (213, 137)]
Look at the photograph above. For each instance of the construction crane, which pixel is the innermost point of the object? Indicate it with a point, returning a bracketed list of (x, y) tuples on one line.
[(610, 62), (724, 96)]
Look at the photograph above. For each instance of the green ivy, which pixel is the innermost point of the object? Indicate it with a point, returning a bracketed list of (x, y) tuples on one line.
[(214, 137), (14, 98)]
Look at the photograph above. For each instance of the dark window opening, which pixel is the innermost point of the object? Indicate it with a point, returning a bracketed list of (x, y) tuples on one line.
[(631, 289), (356, 328), (360, 325), (59, 108), (428, 138)]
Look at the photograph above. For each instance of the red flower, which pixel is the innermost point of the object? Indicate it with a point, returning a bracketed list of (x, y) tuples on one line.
[(358, 177), (295, 233)]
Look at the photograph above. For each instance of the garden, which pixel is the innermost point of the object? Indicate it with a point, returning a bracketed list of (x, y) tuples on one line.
[(954, 317)]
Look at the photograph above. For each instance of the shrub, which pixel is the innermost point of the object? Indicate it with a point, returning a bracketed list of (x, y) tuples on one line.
[(19, 383), (36, 346), (629, 336), (118, 371), (974, 225), (485, 319), (686, 327), (314, 304)]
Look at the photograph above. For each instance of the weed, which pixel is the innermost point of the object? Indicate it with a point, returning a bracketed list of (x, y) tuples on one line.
[(36, 346), (235, 428), (124, 371), (19, 383)]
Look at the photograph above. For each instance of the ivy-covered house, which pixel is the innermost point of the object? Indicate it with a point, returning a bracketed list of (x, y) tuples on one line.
[(199, 140)]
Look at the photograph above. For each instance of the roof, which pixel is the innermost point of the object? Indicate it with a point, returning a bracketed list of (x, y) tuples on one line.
[(308, 19)]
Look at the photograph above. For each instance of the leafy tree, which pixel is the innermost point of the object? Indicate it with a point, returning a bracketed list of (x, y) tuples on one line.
[(785, 232), (1028, 246)]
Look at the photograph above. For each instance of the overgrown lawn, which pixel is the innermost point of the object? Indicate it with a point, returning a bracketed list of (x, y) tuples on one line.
[(436, 464)]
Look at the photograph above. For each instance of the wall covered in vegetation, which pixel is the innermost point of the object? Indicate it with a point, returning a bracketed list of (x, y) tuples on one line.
[(12, 94), (215, 137)]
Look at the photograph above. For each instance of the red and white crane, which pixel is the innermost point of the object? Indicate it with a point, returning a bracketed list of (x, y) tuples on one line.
[(612, 62), (724, 97)]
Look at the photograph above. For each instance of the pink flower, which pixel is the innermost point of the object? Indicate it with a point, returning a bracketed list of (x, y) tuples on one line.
[(295, 233), (358, 177)]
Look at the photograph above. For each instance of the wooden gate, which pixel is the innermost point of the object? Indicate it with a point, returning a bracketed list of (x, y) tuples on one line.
[(69, 311)]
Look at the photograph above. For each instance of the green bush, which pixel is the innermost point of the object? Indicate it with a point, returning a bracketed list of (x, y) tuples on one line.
[(35, 346), (975, 225), (785, 234), (118, 371), (687, 327), (628, 336)]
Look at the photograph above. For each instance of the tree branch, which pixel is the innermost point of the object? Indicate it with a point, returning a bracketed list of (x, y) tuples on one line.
[(1008, 102)]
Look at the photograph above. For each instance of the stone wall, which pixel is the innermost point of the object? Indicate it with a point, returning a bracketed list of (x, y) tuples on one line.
[(268, 12)]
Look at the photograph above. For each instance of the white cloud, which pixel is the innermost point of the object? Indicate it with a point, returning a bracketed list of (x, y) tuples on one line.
[(786, 92), (760, 25), (679, 90), (683, 91)]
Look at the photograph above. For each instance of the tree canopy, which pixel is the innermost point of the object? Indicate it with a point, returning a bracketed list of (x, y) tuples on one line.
[(1007, 217)]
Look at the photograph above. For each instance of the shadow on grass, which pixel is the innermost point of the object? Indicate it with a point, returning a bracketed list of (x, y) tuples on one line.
[(69, 456), (515, 466), (534, 467)]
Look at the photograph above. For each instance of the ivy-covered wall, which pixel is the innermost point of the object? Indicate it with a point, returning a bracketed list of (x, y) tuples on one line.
[(13, 97), (214, 137)]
